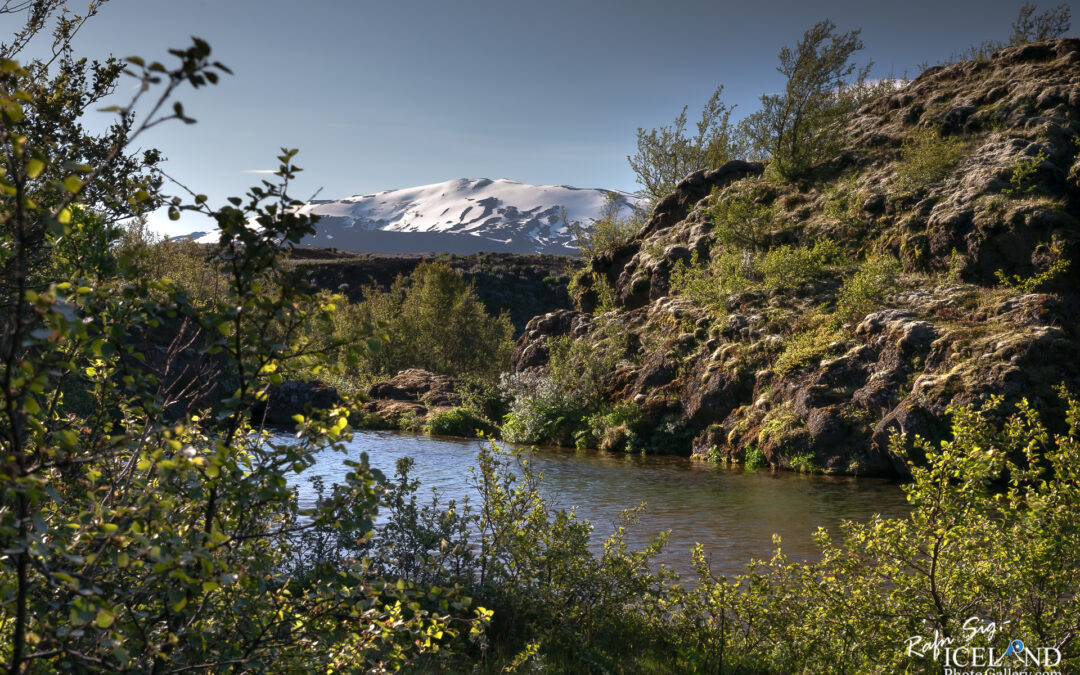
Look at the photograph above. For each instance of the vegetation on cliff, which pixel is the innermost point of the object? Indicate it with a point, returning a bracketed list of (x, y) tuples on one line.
[(802, 311)]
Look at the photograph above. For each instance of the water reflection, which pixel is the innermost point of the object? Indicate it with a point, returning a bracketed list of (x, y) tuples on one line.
[(733, 513)]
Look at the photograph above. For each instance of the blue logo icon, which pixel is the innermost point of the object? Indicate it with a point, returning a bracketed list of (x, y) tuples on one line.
[(1015, 647)]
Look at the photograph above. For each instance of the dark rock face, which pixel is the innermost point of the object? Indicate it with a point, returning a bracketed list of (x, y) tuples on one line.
[(415, 384), (635, 290), (531, 349), (695, 187), (292, 398)]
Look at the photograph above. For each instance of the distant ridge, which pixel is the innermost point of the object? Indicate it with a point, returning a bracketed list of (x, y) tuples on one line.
[(465, 215)]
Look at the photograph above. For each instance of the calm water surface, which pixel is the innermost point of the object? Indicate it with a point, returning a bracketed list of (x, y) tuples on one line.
[(733, 513)]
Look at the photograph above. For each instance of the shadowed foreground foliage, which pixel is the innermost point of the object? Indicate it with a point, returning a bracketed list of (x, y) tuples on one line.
[(993, 539)]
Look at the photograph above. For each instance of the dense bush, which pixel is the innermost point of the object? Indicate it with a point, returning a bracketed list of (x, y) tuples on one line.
[(709, 285), (876, 278), (540, 411), (556, 603), (789, 267), (742, 215), (732, 271), (458, 422), (432, 320), (803, 348), (193, 267), (613, 427)]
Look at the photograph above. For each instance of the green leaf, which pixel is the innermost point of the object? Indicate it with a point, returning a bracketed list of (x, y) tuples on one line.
[(34, 167), (104, 618), (177, 600)]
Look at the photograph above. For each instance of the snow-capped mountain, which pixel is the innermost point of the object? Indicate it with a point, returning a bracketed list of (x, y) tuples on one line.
[(458, 216)]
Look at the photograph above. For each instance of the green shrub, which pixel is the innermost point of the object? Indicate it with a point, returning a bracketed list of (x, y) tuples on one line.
[(741, 215), (432, 320), (780, 268), (755, 458), (539, 410), (803, 348), (614, 423), (580, 366), (1058, 266), (667, 155), (409, 421), (587, 282), (710, 285), (195, 268), (788, 267), (876, 278), (558, 604), (1023, 171), (458, 422), (926, 157), (803, 125), (843, 203), (804, 464)]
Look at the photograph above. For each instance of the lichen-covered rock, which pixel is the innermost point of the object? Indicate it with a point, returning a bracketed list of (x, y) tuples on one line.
[(531, 349), (413, 391)]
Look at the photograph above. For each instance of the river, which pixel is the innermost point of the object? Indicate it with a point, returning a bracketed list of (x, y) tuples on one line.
[(732, 512)]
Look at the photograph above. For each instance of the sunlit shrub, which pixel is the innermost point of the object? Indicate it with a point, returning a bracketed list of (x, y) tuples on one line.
[(458, 422), (803, 349), (540, 411), (611, 228), (876, 278), (926, 157), (788, 267), (742, 215)]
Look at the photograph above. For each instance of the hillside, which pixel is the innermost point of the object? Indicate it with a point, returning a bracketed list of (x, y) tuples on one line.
[(928, 265), (460, 216)]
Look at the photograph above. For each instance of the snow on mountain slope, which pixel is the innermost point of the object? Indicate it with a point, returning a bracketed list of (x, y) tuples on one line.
[(458, 216)]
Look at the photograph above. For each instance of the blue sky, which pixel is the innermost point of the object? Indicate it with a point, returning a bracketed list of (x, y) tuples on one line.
[(383, 95)]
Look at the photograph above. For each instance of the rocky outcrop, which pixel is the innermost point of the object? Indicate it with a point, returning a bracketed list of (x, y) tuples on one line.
[(413, 392), (772, 369), (531, 349), (634, 290)]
